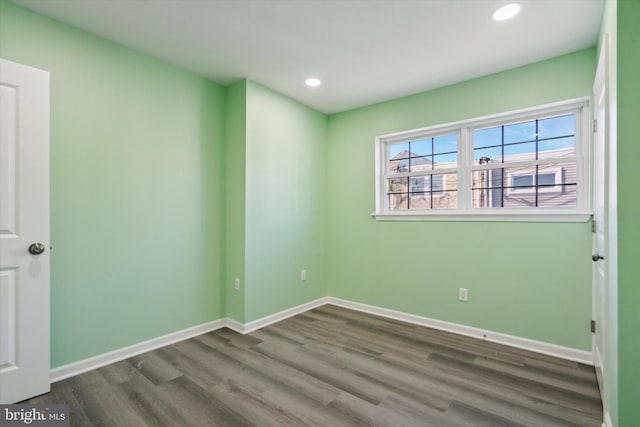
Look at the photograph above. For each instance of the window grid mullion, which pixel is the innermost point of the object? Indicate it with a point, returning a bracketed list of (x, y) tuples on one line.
[(465, 160), (527, 163), (535, 178), (433, 159), (502, 161), (409, 193)]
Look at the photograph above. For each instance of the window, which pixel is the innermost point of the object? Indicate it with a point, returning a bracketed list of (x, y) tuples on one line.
[(421, 173), (525, 165)]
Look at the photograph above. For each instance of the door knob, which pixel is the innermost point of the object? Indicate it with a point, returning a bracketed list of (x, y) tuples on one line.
[(596, 257), (36, 248)]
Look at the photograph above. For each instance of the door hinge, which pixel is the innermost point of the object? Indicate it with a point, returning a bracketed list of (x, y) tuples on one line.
[(594, 226), (593, 326), (595, 125)]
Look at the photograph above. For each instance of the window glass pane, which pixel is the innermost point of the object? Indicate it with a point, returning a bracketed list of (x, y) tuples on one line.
[(487, 179), (421, 148), (420, 201), (516, 187), (447, 199), (487, 137), (486, 198), (399, 166), (423, 192), (419, 184), (437, 200), (445, 144), (546, 179), (417, 156), (520, 200), (398, 201), (556, 126), (398, 150), (397, 185), (522, 181), (418, 164), (442, 161), (437, 182), (555, 134), (487, 155), (565, 197), (560, 147), (520, 132), (397, 193), (398, 157), (520, 152), (564, 173)]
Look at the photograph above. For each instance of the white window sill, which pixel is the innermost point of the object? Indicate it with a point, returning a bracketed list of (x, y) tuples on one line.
[(504, 215)]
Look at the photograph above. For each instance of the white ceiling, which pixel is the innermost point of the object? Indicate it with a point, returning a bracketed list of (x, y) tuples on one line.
[(364, 51)]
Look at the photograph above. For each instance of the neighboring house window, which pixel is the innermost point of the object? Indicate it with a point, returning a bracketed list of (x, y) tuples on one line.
[(518, 164), (551, 180)]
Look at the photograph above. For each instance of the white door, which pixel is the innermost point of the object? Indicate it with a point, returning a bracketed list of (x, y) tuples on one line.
[(24, 221), (600, 184)]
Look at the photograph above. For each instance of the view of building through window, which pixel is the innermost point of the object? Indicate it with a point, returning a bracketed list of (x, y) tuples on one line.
[(422, 187), (546, 183), (519, 164)]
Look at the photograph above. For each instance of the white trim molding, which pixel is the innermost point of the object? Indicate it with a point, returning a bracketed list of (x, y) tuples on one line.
[(85, 365), (98, 361), (392, 179), (234, 325), (284, 314), (95, 362), (562, 352), (254, 325), (507, 215)]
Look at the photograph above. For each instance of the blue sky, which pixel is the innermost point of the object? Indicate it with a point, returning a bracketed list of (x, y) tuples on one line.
[(443, 146)]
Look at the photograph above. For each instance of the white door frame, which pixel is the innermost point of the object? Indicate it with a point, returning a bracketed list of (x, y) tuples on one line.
[(604, 238)]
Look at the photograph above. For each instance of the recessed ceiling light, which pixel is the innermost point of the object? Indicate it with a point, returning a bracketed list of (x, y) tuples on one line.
[(312, 82), (506, 12)]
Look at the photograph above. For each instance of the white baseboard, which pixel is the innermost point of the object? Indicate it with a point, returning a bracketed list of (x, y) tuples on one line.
[(81, 366), (607, 420), (234, 325), (562, 352), (254, 325), (85, 365)]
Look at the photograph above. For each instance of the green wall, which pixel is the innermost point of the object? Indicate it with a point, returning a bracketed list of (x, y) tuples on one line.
[(286, 196), (628, 71), (531, 280), (235, 171), (136, 188), (276, 197)]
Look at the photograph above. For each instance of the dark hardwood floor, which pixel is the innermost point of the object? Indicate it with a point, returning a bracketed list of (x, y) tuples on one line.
[(333, 367)]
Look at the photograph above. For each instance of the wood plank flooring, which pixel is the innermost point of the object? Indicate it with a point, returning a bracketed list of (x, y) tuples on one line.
[(333, 367)]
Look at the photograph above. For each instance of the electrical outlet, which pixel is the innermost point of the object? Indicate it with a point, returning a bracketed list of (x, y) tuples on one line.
[(236, 284), (463, 294), (303, 275)]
